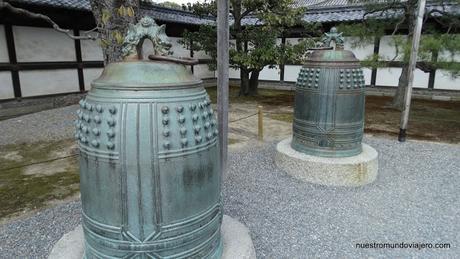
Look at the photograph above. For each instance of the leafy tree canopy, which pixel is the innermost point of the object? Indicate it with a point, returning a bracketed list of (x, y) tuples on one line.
[(396, 18), (254, 44)]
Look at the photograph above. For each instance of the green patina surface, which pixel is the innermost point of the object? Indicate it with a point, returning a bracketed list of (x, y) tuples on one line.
[(28, 182)]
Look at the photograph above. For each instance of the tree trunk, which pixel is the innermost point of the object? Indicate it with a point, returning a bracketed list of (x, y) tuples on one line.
[(398, 98), (244, 87), (113, 18), (254, 83)]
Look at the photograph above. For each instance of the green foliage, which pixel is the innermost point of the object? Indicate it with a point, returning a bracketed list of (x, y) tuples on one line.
[(439, 42), (169, 4), (253, 46)]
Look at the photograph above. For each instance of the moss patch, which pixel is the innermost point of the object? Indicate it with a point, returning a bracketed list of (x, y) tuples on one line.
[(33, 174), (286, 117), (232, 141)]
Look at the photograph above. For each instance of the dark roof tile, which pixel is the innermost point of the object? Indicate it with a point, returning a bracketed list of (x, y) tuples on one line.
[(157, 12)]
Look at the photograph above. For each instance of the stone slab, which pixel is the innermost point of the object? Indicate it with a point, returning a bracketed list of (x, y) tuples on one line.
[(236, 239), (348, 171)]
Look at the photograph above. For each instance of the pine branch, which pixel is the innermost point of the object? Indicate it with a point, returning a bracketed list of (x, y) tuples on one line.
[(69, 33)]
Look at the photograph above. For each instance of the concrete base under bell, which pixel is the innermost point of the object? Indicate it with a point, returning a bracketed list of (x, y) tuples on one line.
[(348, 171), (237, 242)]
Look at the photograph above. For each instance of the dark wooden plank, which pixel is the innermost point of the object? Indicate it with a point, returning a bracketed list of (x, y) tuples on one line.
[(13, 60)]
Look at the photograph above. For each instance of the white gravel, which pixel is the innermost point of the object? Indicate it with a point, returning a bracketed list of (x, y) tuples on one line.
[(416, 198), (41, 126)]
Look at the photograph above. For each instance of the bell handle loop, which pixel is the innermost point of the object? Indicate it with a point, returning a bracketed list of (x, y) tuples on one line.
[(146, 28), (178, 60), (333, 36)]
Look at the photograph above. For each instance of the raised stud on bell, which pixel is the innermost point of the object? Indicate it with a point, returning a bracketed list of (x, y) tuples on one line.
[(166, 144), (110, 133), (113, 109), (183, 130), (197, 129), (97, 119), (88, 106), (166, 132), (181, 119), (184, 142), (95, 143), (111, 122), (96, 131), (180, 109), (110, 145), (99, 108), (165, 109), (165, 120)]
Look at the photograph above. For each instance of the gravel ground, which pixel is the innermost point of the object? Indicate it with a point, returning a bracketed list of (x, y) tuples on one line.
[(415, 199), (41, 126)]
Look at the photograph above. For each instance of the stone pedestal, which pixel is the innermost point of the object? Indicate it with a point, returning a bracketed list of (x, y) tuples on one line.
[(236, 240), (349, 171)]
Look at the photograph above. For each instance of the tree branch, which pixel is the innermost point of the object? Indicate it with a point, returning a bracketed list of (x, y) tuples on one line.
[(29, 14)]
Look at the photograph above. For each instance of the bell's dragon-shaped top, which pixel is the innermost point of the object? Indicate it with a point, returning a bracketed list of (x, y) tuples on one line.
[(146, 28), (333, 36)]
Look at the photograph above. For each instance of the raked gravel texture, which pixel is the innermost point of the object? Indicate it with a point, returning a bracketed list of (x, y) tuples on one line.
[(46, 125), (414, 199)]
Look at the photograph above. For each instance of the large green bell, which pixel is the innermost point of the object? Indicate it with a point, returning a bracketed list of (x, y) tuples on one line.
[(329, 102), (149, 165)]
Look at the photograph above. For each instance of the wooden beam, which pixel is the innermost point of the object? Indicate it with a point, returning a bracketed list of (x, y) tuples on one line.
[(223, 39), (431, 79), (50, 65), (81, 78), (282, 66), (192, 54), (410, 73), (376, 52), (9, 36)]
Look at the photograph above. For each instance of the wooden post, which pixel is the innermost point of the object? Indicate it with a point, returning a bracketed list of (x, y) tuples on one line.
[(223, 39), (261, 123), (410, 74), (376, 52)]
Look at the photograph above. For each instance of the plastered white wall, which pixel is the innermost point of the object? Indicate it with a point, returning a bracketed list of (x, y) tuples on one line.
[(178, 49), (272, 74), (6, 85), (90, 74), (444, 80), (3, 48), (202, 71), (291, 73), (35, 44), (91, 50), (361, 52), (42, 82), (390, 77), (234, 73), (367, 75), (387, 48)]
